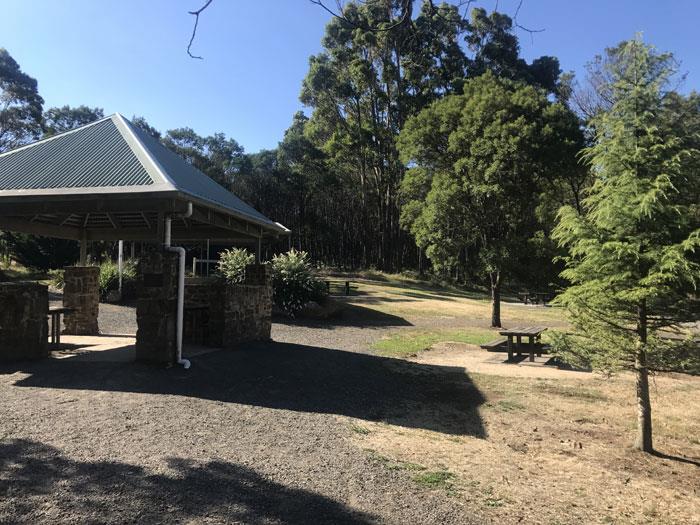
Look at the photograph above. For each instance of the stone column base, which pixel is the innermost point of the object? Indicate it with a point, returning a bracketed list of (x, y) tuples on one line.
[(24, 328), (156, 308), (81, 292)]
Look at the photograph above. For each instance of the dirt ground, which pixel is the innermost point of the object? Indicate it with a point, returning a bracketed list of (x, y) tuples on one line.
[(556, 445), (316, 427)]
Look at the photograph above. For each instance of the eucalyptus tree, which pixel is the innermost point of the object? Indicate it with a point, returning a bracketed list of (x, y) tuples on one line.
[(496, 48), (633, 259), (383, 63), (364, 86), (315, 194), (65, 118), (142, 123), (20, 104), (478, 164), (217, 156)]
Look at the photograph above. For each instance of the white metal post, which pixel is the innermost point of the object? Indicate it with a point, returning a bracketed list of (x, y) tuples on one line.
[(207, 264), (120, 264)]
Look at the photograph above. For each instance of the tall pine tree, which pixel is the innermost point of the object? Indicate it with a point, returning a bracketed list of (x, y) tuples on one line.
[(633, 251)]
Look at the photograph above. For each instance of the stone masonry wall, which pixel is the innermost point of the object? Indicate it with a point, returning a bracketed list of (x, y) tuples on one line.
[(205, 292), (82, 293), (235, 313), (23, 321), (248, 307), (156, 308)]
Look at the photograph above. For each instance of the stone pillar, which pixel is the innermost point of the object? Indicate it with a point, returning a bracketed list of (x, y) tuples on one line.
[(156, 308), (23, 321), (81, 292)]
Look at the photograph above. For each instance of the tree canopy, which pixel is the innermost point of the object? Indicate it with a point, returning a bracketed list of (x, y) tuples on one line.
[(367, 82), (65, 118), (20, 104), (217, 156), (480, 161)]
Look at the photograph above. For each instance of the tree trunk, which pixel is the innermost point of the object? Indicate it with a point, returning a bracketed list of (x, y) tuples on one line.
[(495, 299), (643, 441)]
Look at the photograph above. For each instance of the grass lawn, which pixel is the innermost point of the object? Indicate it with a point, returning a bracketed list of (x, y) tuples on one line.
[(409, 343), (20, 273)]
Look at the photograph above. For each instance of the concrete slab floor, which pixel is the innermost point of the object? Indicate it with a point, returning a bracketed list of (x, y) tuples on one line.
[(111, 348)]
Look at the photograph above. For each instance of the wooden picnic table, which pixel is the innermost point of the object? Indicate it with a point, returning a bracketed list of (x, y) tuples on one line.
[(532, 333), (346, 285), (534, 297), (55, 314)]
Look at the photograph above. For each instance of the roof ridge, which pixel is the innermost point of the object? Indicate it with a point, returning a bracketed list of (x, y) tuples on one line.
[(143, 149), (57, 135)]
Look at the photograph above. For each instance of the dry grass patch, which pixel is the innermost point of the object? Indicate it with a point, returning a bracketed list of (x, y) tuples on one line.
[(557, 451), (411, 299)]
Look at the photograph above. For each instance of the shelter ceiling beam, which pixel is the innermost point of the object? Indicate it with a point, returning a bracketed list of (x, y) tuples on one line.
[(38, 228)]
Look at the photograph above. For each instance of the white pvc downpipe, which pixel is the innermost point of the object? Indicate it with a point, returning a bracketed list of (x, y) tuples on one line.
[(180, 283)]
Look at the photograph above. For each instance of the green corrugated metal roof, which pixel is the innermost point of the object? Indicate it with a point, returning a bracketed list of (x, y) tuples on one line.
[(113, 156), (92, 156)]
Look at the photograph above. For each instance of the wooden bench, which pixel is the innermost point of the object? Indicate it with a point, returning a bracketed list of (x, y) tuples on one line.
[(345, 285), (495, 345)]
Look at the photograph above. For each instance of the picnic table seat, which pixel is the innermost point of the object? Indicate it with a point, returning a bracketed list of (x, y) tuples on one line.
[(494, 345)]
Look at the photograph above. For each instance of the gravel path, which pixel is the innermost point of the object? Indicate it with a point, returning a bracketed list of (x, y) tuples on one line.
[(258, 435)]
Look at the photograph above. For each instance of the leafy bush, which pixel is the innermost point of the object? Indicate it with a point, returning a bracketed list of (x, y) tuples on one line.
[(232, 264), (57, 278), (109, 278), (293, 281)]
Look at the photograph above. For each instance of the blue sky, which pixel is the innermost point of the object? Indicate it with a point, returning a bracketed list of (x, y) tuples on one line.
[(129, 55)]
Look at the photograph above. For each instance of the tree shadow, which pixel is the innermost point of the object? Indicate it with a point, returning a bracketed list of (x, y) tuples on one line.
[(430, 289), (679, 459), (36, 477), (293, 377), (349, 315)]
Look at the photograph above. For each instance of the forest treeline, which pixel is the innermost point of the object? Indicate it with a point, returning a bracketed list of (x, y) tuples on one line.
[(353, 177)]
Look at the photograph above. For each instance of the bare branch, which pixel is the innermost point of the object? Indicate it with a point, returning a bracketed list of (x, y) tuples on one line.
[(194, 29), (516, 24)]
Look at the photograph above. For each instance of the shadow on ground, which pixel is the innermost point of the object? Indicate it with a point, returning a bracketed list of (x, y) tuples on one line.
[(38, 483), (348, 315), (289, 376)]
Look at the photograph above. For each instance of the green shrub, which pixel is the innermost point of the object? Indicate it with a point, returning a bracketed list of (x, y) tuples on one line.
[(109, 278), (232, 264), (57, 278), (293, 281)]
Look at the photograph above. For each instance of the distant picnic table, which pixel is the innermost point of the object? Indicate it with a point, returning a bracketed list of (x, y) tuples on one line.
[(534, 297), (345, 285), (514, 341)]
